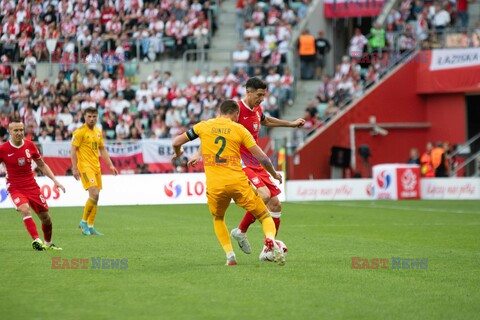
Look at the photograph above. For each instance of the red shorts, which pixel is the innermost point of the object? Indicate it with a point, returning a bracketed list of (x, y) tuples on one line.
[(32, 197), (260, 178)]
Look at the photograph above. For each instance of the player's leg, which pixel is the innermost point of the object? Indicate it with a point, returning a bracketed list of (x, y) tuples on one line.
[(95, 194), (22, 206), (47, 230), (250, 200), (275, 207), (248, 218), (40, 207), (218, 203)]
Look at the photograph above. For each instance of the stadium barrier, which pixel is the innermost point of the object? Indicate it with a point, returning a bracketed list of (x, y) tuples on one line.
[(364, 189), (140, 189), (190, 188)]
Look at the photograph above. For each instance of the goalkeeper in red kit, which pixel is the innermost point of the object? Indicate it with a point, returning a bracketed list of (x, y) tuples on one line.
[(17, 154)]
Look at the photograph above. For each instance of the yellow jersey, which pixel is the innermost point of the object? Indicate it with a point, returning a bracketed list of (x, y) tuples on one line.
[(221, 140), (88, 141)]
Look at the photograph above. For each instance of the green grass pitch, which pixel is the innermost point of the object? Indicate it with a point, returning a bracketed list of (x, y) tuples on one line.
[(176, 266)]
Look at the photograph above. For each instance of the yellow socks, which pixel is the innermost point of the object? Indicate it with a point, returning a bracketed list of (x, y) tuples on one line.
[(268, 226), (89, 209), (222, 233), (91, 217)]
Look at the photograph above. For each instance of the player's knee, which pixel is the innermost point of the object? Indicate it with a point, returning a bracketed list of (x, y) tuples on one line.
[(45, 218), (94, 193), (24, 211), (274, 205)]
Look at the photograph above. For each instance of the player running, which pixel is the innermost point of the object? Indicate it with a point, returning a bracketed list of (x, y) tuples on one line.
[(17, 154), (87, 142), (252, 117), (221, 140)]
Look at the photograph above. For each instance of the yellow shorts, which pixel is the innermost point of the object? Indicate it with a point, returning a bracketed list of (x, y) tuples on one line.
[(243, 194), (91, 178)]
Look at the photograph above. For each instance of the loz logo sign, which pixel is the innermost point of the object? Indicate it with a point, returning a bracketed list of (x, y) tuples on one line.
[(184, 189), (171, 190), (384, 180)]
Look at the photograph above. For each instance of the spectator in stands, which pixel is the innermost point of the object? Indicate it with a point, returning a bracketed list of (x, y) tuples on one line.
[(307, 53), (322, 46), (377, 41), (439, 161), (414, 158), (462, 13), (357, 45), (441, 18)]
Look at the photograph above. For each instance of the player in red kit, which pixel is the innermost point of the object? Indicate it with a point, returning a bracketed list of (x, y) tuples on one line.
[(251, 117), (17, 154)]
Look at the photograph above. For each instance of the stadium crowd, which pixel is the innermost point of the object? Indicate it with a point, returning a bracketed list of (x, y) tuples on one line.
[(160, 108), (425, 24), (96, 25)]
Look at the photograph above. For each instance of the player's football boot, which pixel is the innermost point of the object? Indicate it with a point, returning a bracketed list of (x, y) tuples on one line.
[(231, 261), (84, 227), (94, 232), (242, 240), (37, 244), (272, 246), (53, 247)]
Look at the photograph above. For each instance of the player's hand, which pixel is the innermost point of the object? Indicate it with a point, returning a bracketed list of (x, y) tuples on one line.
[(298, 123), (60, 186), (76, 173), (194, 160), (278, 177), (177, 156), (114, 170)]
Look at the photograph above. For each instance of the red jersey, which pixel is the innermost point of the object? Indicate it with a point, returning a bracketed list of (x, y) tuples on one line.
[(18, 162), (250, 119)]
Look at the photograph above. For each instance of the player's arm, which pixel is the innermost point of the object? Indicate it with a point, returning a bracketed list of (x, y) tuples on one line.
[(74, 158), (177, 144), (196, 158), (106, 158), (48, 172), (180, 140), (265, 162), (272, 122)]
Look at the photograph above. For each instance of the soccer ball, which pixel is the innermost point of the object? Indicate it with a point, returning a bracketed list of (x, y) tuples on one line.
[(266, 255)]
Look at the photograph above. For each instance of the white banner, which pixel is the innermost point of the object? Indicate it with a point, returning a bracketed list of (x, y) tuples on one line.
[(450, 188), (159, 151), (141, 189), (341, 189), (56, 149), (455, 58), (154, 150)]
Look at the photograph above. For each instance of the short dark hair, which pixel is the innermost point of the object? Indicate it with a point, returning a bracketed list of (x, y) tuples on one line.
[(255, 83), (229, 106), (91, 110)]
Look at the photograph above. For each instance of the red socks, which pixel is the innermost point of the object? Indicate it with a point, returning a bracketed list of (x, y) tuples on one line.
[(31, 227), (47, 232), (247, 220), (277, 224)]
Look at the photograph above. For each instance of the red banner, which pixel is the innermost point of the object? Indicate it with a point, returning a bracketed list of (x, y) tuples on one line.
[(408, 183), (352, 8), (449, 70)]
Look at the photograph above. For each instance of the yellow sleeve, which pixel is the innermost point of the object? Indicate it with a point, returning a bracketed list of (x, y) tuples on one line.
[(247, 139), (77, 138), (196, 131)]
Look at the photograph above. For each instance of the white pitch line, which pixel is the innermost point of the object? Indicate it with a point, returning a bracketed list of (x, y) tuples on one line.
[(394, 207)]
